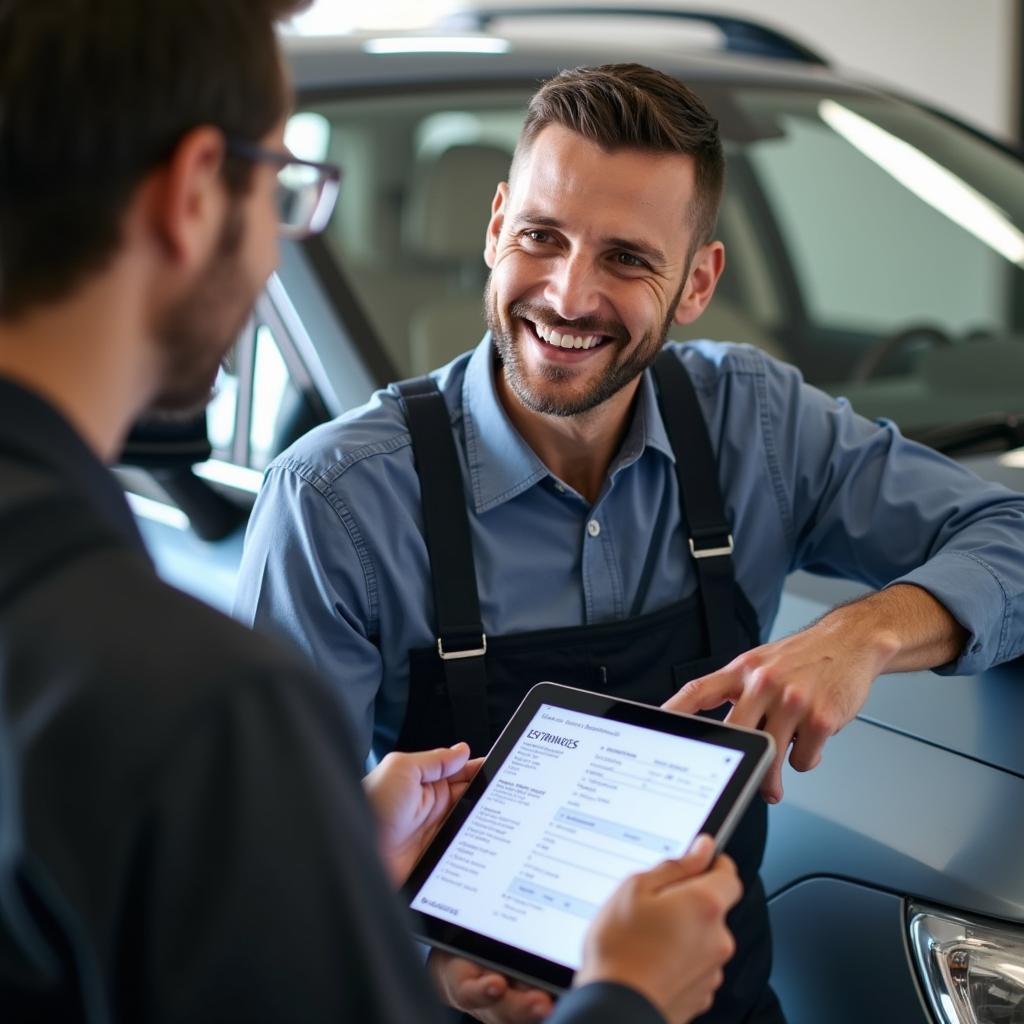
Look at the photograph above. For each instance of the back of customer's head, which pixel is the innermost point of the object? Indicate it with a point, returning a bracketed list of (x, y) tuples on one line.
[(93, 95)]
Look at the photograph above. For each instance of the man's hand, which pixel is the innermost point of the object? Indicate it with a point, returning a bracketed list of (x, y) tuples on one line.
[(805, 688), (486, 994), (410, 795), (663, 933)]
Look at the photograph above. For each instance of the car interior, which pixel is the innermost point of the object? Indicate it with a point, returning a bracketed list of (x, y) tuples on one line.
[(871, 324)]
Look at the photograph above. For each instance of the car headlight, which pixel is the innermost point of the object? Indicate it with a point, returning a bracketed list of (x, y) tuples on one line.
[(972, 971)]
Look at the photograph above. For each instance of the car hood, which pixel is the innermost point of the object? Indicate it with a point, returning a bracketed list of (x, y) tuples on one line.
[(976, 716)]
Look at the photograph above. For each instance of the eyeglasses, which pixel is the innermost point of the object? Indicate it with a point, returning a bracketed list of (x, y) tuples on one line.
[(306, 190)]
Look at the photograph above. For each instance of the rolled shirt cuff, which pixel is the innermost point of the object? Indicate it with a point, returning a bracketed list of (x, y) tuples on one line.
[(972, 592)]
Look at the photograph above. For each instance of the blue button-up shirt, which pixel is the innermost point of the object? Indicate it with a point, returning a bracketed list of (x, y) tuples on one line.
[(335, 556)]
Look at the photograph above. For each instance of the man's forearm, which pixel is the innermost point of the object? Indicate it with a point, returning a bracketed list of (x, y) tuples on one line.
[(903, 626)]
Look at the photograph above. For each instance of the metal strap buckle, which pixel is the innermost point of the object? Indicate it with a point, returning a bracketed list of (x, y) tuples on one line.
[(711, 552), (475, 652)]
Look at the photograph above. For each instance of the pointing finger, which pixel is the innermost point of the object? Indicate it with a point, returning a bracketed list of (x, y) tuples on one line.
[(707, 692), (782, 723)]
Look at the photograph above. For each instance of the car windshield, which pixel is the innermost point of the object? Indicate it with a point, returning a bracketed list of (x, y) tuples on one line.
[(876, 245)]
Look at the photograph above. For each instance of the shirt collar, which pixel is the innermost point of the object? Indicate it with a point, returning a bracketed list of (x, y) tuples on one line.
[(502, 465), (648, 426), (31, 426)]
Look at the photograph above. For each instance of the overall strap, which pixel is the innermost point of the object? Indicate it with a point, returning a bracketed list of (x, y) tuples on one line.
[(461, 643), (700, 500)]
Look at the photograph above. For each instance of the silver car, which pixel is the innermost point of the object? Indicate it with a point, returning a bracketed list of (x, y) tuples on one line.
[(875, 243)]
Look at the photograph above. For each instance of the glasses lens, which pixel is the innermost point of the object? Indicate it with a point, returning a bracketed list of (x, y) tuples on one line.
[(299, 189)]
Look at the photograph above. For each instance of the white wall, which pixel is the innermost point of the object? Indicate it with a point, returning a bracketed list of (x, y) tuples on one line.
[(956, 54)]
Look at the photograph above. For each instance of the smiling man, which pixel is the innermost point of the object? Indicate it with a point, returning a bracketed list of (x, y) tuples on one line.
[(587, 276), (577, 500)]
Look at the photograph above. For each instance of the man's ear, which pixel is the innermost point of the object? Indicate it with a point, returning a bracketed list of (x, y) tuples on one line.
[(705, 269), (188, 197), (494, 225)]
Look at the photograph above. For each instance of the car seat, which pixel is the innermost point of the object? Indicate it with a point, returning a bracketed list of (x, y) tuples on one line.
[(444, 226)]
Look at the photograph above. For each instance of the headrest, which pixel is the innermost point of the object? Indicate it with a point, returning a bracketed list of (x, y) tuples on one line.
[(450, 201)]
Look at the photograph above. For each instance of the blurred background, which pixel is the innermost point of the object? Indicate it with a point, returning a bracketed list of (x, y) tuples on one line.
[(965, 57), (873, 243)]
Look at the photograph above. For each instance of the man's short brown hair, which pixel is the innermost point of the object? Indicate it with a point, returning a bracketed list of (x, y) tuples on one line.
[(630, 106)]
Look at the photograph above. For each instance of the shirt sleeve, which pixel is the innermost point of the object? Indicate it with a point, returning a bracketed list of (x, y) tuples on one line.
[(866, 503), (261, 896), (303, 578)]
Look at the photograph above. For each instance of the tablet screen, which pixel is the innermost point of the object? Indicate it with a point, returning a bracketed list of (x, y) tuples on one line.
[(579, 802)]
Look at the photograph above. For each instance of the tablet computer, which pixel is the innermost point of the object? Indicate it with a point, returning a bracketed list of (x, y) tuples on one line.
[(580, 790)]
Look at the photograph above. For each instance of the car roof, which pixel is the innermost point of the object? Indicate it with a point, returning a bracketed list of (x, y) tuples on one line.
[(349, 63)]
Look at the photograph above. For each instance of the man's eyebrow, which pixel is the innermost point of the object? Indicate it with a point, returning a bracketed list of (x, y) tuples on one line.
[(634, 245), (528, 217)]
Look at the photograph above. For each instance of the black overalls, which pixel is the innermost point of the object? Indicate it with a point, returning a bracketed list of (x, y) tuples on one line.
[(467, 686)]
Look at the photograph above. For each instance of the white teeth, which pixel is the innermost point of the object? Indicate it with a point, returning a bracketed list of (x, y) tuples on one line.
[(559, 340)]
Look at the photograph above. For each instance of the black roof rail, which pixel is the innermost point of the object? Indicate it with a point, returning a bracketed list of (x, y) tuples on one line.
[(741, 34)]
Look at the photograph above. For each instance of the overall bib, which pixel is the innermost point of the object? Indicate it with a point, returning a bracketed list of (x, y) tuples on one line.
[(468, 685)]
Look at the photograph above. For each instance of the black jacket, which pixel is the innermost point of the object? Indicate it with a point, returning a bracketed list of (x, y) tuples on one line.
[(182, 830)]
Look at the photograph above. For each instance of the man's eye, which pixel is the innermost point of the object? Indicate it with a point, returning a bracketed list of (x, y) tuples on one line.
[(536, 235), (627, 259)]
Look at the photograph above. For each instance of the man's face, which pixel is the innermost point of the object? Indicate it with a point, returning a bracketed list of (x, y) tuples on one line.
[(587, 249), (196, 333)]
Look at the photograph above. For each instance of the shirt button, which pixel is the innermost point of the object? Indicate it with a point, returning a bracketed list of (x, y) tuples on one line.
[(593, 528), (560, 487)]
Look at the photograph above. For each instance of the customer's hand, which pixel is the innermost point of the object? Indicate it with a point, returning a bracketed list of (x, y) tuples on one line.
[(663, 933), (486, 994), (410, 795)]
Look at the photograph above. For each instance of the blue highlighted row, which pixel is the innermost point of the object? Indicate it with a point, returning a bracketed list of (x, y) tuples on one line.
[(615, 830), (540, 896)]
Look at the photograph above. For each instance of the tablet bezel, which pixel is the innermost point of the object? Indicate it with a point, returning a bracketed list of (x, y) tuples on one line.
[(757, 750)]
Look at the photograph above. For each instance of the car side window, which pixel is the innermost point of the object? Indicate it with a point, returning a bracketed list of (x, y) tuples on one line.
[(273, 397), (221, 412), (823, 190), (419, 175), (258, 409)]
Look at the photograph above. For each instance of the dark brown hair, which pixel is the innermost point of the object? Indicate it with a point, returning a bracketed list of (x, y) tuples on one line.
[(93, 95), (630, 106)]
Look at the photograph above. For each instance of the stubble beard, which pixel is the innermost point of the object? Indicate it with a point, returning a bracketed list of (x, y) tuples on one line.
[(549, 401), (197, 332)]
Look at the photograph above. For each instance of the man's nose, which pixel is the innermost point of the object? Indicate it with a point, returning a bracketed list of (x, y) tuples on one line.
[(573, 289)]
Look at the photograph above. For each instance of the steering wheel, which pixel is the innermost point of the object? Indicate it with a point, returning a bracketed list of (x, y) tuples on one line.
[(869, 363)]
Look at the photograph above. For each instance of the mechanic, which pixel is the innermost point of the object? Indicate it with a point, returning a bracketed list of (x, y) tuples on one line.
[(575, 500), (183, 833)]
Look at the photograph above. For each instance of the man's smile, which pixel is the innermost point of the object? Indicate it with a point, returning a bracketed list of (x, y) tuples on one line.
[(562, 345), (561, 338)]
